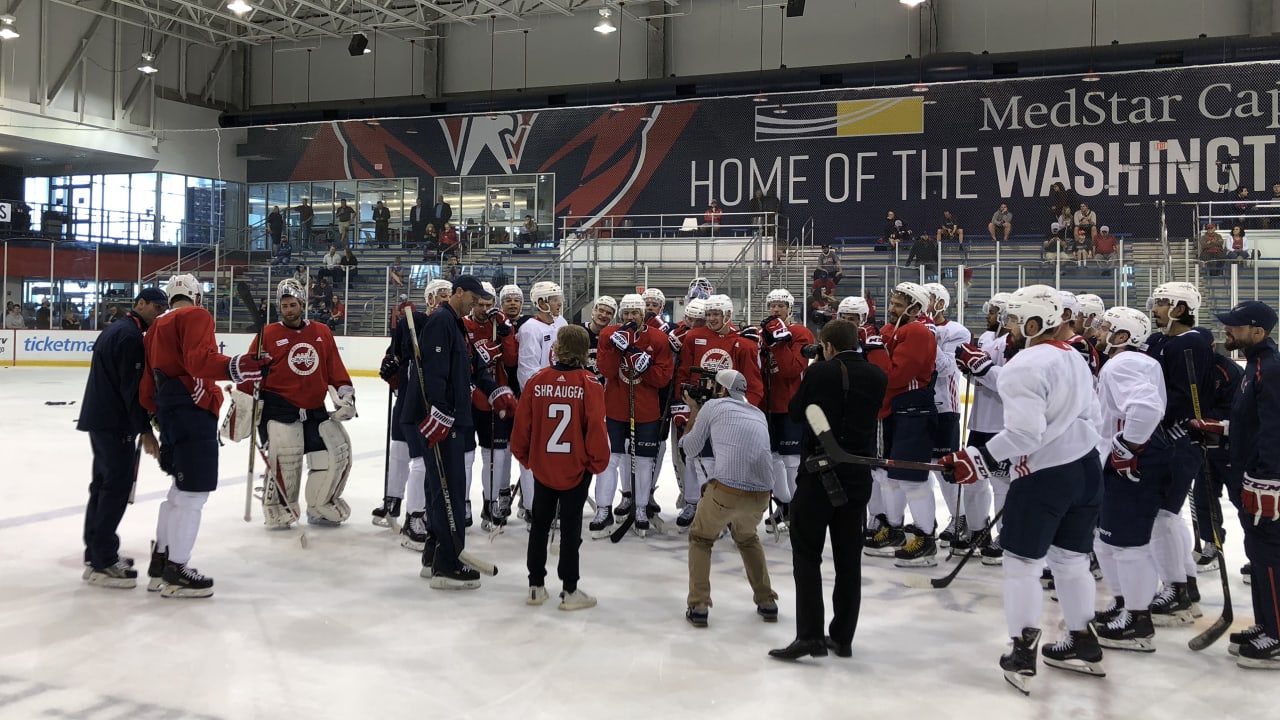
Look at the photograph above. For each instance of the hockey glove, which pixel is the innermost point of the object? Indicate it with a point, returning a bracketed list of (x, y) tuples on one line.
[(676, 338), (247, 368), (639, 362), (1209, 426), (750, 333), (968, 466), (972, 360), (436, 427), (872, 343), (488, 351), (496, 317), (680, 414), (390, 368), (656, 322), (1124, 458), (1260, 498), (503, 401), (775, 331), (621, 338)]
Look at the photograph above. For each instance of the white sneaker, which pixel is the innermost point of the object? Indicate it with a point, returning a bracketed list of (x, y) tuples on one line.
[(537, 595), (576, 600)]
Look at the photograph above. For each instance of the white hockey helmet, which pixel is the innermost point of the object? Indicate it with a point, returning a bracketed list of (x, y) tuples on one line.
[(1091, 306), (184, 286), (488, 287), (543, 291), (1035, 301), (1070, 302), (510, 291), (291, 287), (631, 301), (780, 295), (655, 294), (1127, 319), (915, 293), (700, 288), (853, 305), (607, 301), (1174, 293), (1000, 301), (696, 309), (720, 303), (940, 295), (435, 287)]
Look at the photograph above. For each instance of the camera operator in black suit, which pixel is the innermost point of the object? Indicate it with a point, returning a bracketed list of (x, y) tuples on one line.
[(850, 390)]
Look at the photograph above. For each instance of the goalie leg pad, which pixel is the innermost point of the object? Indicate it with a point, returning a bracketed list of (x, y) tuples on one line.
[(330, 469), (285, 447)]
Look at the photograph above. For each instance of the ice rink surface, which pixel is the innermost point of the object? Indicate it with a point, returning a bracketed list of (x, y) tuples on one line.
[(347, 629)]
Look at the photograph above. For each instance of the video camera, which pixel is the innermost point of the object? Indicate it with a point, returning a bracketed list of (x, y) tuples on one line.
[(813, 351), (702, 390)]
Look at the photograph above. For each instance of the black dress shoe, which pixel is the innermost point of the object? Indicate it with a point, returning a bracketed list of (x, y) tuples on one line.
[(843, 650), (799, 649)]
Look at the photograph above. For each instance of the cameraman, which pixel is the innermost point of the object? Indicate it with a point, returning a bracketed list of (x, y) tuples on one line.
[(739, 483), (852, 413)]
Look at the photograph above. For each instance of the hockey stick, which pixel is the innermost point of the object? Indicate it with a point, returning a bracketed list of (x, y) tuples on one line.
[(818, 423), (630, 520), (483, 566), (1223, 623), (917, 581), (137, 463), (960, 513), (245, 293)]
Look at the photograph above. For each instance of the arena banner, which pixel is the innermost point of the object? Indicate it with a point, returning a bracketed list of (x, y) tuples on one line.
[(8, 340), (847, 157)]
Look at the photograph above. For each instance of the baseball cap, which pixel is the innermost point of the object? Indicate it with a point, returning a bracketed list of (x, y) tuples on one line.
[(1250, 313), (734, 382), (153, 295), (471, 284)]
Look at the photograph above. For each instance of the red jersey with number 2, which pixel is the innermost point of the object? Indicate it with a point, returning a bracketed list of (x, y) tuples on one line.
[(559, 431)]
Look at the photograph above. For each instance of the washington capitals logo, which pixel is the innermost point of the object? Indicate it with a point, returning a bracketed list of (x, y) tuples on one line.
[(502, 136)]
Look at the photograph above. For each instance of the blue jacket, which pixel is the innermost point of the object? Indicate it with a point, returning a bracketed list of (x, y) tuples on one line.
[(402, 349), (111, 394), (1255, 416), (448, 371), (1170, 351)]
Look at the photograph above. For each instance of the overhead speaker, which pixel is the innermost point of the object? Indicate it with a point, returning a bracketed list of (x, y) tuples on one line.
[(359, 43), (795, 8)]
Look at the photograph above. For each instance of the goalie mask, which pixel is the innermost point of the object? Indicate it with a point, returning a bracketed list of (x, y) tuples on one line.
[(700, 288), (291, 288)]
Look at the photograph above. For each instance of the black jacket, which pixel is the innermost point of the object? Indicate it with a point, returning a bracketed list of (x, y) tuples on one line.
[(111, 394), (852, 415)]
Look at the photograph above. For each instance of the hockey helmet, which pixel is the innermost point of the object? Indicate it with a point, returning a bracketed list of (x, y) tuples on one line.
[(1000, 301), (915, 293), (780, 295), (607, 302), (1174, 293), (1070, 302), (1127, 319), (488, 287), (184, 286), (1040, 302), (1091, 306), (631, 301), (940, 295), (720, 303), (434, 288), (696, 309), (655, 294), (543, 291), (853, 305), (511, 291)]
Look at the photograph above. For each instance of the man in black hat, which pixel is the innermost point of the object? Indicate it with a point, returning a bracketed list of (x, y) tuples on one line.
[(114, 419)]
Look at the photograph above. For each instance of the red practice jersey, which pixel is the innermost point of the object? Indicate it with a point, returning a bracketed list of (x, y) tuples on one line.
[(559, 430), (304, 363), (911, 351), (181, 344), (705, 349), (611, 367), (510, 355), (783, 367)]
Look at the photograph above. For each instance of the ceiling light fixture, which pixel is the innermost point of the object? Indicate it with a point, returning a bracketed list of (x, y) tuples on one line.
[(148, 67), (911, 3), (239, 7), (6, 27), (605, 26)]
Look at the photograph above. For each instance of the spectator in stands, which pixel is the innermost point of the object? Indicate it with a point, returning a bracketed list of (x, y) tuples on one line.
[(345, 214), (113, 314), (822, 306), (1212, 249), (396, 273), (1055, 248), (337, 314), (69, 320), (13, 319), (44, 316), (275, 227), (711, 217), (1244, 206), (306, 216), (1104, 245), (829, 261), (1085, 219), (449, 238), (417, 224), (441, 213), (431, 244), (381, 224), (331, 262), (950, 231), (894, 230), (497, 213), (765, 208), (321, 296), (451, 267), (300, 274), (528, 232), (925, 250), (350, 265), (1080, 248), (1239, 250), (284, 253), (1061, 200), (1001, 223)]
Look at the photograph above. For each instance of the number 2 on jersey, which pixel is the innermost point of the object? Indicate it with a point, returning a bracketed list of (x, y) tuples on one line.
[(555, 443)]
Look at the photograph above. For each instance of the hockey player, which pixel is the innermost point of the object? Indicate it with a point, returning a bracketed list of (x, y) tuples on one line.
[(700, 288), (492, 341), (1173, 306), (1132, 400), (1050, 436), (635, 360), (406, 477), (179, 387), (710, 348), (561, 439), (535, 337), (602, 312), (946, 398), (294, 422), (782, 368), (908, 421), (694, 311), (1090, 317), (114, 419), (1069, 331), (655, 309), (982, 364)]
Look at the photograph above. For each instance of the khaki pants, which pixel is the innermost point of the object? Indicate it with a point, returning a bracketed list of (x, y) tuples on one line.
[(723, 506), (343, 229)]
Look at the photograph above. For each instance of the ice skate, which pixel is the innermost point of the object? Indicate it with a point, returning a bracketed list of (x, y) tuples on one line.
[(155, 571), (1260, 653), (1193, 594), (119, 575), (1172, 606), (992, 553), (537, 595), (576, 600), (486, 517), (390, 507), (602, 525), (624, 507), (1236, 639), (1128, 631), (776, 522), (184, 581), (414, 532), (1246, 571), (88, 567), (503, 511), (956, 529), (1077, 652), (886, 542), (641, 526), (685, 519), (1019, 664), (464, 578), (527, 516), (920, 549), (1207, 561), (1102, 617)]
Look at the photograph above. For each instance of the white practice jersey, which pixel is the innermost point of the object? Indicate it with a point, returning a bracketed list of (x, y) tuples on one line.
[(1051, 415), (946, 388), (536, 338), (1132, 396), (987, 413)]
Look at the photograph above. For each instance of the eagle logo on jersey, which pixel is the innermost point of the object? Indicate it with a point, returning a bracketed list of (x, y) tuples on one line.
[(715, 360), (303, 359)]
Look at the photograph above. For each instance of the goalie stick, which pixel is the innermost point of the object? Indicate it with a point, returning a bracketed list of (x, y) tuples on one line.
[(1223, 623), (822, 428)]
